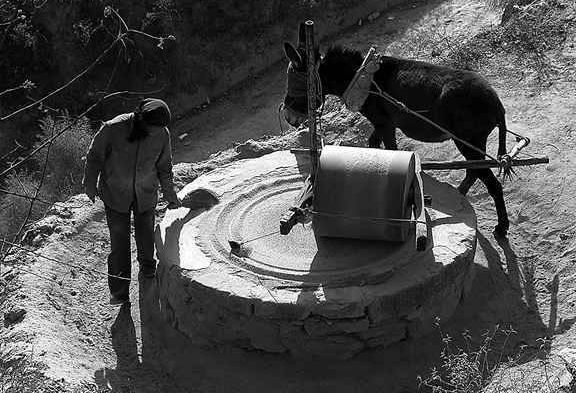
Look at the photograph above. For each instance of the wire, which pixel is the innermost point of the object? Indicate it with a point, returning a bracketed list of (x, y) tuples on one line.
[(37, 199), (40, 270), (49, 140), (69, 264), (38, 275)]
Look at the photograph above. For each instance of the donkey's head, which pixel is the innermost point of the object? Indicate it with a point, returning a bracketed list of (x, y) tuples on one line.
[(296, 100)]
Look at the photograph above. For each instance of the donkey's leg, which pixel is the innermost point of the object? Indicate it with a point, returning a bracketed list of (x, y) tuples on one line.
[(471, 175), (374, 141), (383, 133), (490, 181), (495, 190), (467, 183)]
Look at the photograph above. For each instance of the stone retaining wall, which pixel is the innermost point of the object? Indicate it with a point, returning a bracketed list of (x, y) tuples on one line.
[(216, 298), (333, 330)]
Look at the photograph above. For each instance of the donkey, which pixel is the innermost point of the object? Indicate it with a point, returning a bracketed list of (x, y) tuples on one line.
[(458, 100)]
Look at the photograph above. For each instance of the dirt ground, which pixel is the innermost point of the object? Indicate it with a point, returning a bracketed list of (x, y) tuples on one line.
[(527, 281)]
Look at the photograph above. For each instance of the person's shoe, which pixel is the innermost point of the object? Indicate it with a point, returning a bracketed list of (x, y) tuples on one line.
[(118, 301), (148, 271)]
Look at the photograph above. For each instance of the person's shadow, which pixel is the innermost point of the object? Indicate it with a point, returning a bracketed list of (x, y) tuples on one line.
[(124, 342), (132, 374)]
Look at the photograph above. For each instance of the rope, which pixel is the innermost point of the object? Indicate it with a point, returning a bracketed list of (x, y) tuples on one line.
[(69, 264), (280, 108), (402, 107), (370, 66), (515, 134), (259, 237), (398, 221), (376, 219), (297, 86)]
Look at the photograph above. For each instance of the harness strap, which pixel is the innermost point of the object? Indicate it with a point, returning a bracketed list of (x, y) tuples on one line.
[(296, 86), (357, 91)]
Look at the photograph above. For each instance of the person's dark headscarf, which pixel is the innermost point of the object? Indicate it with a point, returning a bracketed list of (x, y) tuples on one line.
[(150, 112)]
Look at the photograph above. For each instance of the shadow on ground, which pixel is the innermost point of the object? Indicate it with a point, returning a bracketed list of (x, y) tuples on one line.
[(502, 294), (131, 375)]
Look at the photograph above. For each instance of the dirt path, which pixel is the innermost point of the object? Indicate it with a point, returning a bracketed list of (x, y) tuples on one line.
[(86, 340), (251, 111)]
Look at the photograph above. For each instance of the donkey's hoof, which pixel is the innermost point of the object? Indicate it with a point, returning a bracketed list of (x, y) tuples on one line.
[(501, 231)]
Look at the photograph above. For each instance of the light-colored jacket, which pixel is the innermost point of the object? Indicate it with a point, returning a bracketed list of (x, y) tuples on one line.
[(123, 172)]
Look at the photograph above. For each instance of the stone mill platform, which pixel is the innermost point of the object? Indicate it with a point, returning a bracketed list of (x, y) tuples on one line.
[(298, 293)]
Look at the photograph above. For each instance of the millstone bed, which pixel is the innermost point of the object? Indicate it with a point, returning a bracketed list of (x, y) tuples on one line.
[(311, 297)]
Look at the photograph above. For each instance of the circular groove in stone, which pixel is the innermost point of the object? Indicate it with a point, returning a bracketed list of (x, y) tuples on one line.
[(252, 215), (299, 255)]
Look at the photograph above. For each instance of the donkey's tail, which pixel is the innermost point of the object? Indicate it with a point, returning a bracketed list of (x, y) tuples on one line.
[(502, 131)]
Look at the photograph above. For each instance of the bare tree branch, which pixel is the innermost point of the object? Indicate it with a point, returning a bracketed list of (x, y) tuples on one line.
[(119, 38), (49, 140), (16, 237), (5, 156), (8, 91), (67, 84), (3, 191)]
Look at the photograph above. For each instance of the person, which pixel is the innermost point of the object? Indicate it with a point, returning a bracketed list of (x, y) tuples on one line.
[(127, 159)]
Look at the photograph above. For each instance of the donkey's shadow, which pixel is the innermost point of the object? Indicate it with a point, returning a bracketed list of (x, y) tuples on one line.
[(504, 296)]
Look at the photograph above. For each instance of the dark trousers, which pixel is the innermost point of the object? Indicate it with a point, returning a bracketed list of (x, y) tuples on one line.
[(119, 259)]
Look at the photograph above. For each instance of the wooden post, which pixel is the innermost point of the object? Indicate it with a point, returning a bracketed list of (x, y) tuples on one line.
[(311, 78), (480, 164), (296, 213), (419, 209)]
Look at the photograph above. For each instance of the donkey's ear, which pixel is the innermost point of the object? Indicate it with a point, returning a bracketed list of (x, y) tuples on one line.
[(302, 35), (292, 54)]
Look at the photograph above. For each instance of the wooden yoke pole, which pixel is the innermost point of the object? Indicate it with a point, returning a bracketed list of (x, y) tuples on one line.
[(312, 82), (480, 164), (306, 195)]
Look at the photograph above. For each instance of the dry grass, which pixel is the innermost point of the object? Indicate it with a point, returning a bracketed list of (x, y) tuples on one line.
[(493, 368), (65, 164), (530, 33), (13, 208), (63, 179)]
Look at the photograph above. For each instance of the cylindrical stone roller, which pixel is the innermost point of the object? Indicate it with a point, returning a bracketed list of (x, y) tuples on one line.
[(363, 193)]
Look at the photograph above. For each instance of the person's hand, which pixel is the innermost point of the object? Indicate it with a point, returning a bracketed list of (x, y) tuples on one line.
[(174, 204)]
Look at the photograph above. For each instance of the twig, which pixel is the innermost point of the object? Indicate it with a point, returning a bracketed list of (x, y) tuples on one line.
[(67, 84), (25, 196), (22, 187), (119, 38), (122, 22), (113, 73), (18, 146), (8, 91), (36, 192)]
